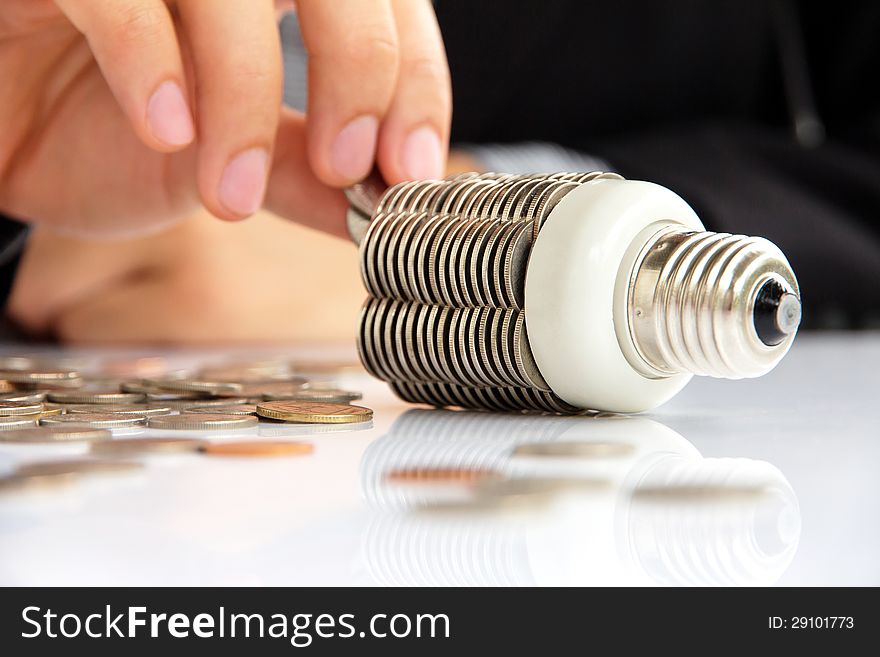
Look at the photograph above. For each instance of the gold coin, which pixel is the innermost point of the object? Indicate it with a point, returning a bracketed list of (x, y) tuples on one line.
[(313, 412), (20, 408), (51, 409), (258, 448), (147, 445)]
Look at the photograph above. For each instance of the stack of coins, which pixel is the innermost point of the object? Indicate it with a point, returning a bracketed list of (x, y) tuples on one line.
[(444, 263)]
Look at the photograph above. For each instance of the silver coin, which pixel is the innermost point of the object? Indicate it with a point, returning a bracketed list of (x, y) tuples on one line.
[(96, 420), (147, 410), (194, 385), (50, 375), (10, 423), (20, 408), (202, 422), (22, 396), (229, 409), (89, 396)]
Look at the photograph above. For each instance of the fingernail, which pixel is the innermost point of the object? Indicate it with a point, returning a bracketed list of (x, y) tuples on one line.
[(243, 183), (168, 115), (422, 154), (354, 149)]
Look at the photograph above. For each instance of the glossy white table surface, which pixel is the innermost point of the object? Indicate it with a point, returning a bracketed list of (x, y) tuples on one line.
[(767, 481)]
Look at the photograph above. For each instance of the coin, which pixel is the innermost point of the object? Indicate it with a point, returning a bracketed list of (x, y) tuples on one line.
[(229, 409), (258, 448), (20, 408), (90, 396), (147, 410), (574, 449), (314, 412), (11, 422), (146, 445), (54, 433), (201, 403), (335, 396), (202, 421), (97, 420), (39, 375), (193, 385), (22, 396), (51, 409)]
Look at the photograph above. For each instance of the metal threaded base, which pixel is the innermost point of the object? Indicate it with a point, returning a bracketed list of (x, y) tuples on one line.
[(692, 304)]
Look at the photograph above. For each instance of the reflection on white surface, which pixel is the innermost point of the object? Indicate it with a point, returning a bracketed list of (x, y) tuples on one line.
[(327, 519), (666, 516)]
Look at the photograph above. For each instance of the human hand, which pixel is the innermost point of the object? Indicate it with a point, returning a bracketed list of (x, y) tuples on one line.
[(120, 116)]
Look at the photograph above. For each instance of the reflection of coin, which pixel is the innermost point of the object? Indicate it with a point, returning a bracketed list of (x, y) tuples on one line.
[(202, 421), (55, 433), (51, 468), (317, 412), (98, 420), (146, 445), (441, 475), (88, 396), (574, 449), (20, 408), (258, 448)]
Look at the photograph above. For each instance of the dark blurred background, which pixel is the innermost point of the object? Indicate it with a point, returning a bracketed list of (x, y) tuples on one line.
[(764, 116)]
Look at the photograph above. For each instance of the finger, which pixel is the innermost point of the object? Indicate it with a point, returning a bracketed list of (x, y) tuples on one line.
[(294, 190), (353, 59), (237, 62), (135, 44), (414, 138)]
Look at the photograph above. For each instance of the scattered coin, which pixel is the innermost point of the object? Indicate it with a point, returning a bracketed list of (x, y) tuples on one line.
[(574, 449), (202, 421), (146, 445), (166, 396), (39, 375), (53, 434), (258, 448), (22, 396), (97, 420), (90, 396), (192, 385), (316, 412), (147, 410), (201, 403), (11, 422), (20, 408), (335, 396), (228, 409)]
